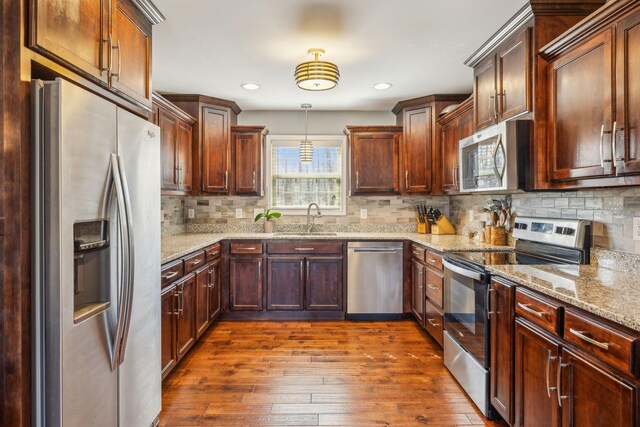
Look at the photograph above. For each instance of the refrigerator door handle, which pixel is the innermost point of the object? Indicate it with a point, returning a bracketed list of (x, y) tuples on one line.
[(130, 257), (116, 181)]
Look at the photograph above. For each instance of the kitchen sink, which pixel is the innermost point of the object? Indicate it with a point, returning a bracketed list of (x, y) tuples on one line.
[(304, 233)]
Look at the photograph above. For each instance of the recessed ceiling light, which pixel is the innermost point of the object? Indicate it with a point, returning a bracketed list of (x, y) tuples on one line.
[(382, 86), (250, 86)]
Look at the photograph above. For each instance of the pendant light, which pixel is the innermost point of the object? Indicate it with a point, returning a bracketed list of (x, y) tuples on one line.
[(306, 146), (317, 75)]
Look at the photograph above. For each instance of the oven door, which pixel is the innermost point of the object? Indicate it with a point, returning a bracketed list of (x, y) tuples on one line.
[(465, 303)]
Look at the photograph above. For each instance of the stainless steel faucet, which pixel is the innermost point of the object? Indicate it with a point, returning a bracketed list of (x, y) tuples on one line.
[(311, 220)]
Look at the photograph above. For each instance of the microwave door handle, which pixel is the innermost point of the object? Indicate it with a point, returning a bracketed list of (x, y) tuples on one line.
[(462, 271), (499, 144)]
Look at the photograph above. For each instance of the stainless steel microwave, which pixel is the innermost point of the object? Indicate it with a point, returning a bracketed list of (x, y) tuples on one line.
[(496, 158)]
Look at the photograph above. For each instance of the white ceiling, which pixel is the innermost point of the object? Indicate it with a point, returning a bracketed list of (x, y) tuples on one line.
[(211, 47)]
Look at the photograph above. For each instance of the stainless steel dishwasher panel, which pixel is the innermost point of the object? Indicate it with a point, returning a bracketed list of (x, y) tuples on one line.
[(374, 287)]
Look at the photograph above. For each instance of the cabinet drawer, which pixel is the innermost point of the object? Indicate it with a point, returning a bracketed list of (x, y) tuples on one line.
[(434, 287), (433, 321), (433, 260), (418, 252), (193, 261), (613, 346), (246, 248), (212, 251), (304, 248), (171, 272), (541, 311)]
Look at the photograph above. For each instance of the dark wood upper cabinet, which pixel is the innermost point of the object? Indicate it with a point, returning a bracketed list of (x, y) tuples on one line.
[(245, 283), (248, 143), (581, 111), (211, 166), (502, 318), (168, 322), (106, 41), (454, 126), (285, 283), (176, 130), (484, 93), (323, 283), (374, 153), (627, 139)]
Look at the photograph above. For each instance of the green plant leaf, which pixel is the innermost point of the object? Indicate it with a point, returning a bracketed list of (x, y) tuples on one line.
[(259, 216), (274, 215)]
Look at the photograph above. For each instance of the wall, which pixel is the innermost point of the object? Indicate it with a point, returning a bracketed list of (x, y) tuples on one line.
[(320, 122), (612, 211)]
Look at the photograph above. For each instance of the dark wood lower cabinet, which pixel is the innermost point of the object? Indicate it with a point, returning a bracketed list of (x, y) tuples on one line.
[(215, 291), (536, 358), (417, 290), (323, 283), (186, 335), (245, 283), (502, 318), (285, 283), (202, 299), (168, 319), (594, 396)]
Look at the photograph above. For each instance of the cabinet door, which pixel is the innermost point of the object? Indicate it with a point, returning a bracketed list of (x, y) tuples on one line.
[(203, 281), (248, 163), (168, 130), (215, 150), (375, 163), (514, 75), (74, 33), (582, 111), (245, 284), (417, 150), (184, 141), (215, 289), (285, 283), (628, 95), (418, 294), (466, 126), (594, 396), (187, 315), (502, 318), (323, 283), (450, 136), (484, 93), (168, 316), (131, 64), (536, 356)]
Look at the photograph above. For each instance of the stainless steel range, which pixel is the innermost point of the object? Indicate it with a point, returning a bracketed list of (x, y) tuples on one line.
[(466, 294)]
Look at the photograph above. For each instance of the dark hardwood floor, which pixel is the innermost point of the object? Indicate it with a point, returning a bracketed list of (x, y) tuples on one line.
[(315, 373)]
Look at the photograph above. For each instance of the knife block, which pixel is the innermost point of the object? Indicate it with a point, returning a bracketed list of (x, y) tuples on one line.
[(443, 226), (423, 228)]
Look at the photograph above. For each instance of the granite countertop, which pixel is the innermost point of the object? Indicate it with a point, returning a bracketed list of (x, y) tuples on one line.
[(176, 246), (611, 294)]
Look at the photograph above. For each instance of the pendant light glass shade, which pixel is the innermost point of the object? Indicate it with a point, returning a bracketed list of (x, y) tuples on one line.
[(317, 75), (306, 146)]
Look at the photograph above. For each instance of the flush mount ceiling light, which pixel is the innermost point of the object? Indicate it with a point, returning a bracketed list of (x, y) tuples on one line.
[(317, 75), (306, 146), (250, 86), (382, 86)]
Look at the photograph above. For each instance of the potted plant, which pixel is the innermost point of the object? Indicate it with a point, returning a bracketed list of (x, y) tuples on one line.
[(268, 215)]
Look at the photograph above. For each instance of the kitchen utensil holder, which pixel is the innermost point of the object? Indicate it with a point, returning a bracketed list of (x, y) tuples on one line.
[(498, 236)]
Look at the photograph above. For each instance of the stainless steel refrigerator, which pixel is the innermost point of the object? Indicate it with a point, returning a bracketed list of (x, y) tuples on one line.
[(96, 261)]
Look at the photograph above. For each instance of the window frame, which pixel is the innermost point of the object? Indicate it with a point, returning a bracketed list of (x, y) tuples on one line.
[(320, 140)]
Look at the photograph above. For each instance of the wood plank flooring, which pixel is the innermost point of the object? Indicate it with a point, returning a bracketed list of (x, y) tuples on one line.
[(315, 374)]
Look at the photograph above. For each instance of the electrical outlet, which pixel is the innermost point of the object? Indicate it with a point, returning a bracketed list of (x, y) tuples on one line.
[(239, 213), (472, 215), (636, 228), (191, 213), (363, 214)]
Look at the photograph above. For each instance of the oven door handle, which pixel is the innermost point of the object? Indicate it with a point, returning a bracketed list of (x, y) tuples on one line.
[(462, 271)]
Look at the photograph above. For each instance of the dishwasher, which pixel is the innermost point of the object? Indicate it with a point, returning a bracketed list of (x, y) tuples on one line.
[(374, 282)]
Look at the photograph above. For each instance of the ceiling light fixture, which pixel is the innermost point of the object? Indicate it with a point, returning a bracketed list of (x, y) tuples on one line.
[(306, 146), (250, 86), (317, 75), (382, 86)]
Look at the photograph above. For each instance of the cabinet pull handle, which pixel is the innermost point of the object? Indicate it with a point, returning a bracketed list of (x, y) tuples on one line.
[(226, 179), (109, 47), (170, 275), (253, 181), (489, 312), (430, 286), (305, 249), (549, 359), (433, 322), (526, 308), (117, 47), (613, 143), (406, 178), (180, 303), (491, 106), (196, 262), (559, 381), (177, 302), (601, 147), (433, 261), (246, 249), (616, 130), (357, 181), (582, 336)]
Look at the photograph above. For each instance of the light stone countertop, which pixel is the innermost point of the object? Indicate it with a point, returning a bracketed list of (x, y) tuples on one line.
[(611, 294), (174, 247)]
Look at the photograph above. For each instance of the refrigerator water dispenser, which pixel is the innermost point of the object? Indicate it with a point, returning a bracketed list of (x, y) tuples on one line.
[(91, 277)]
